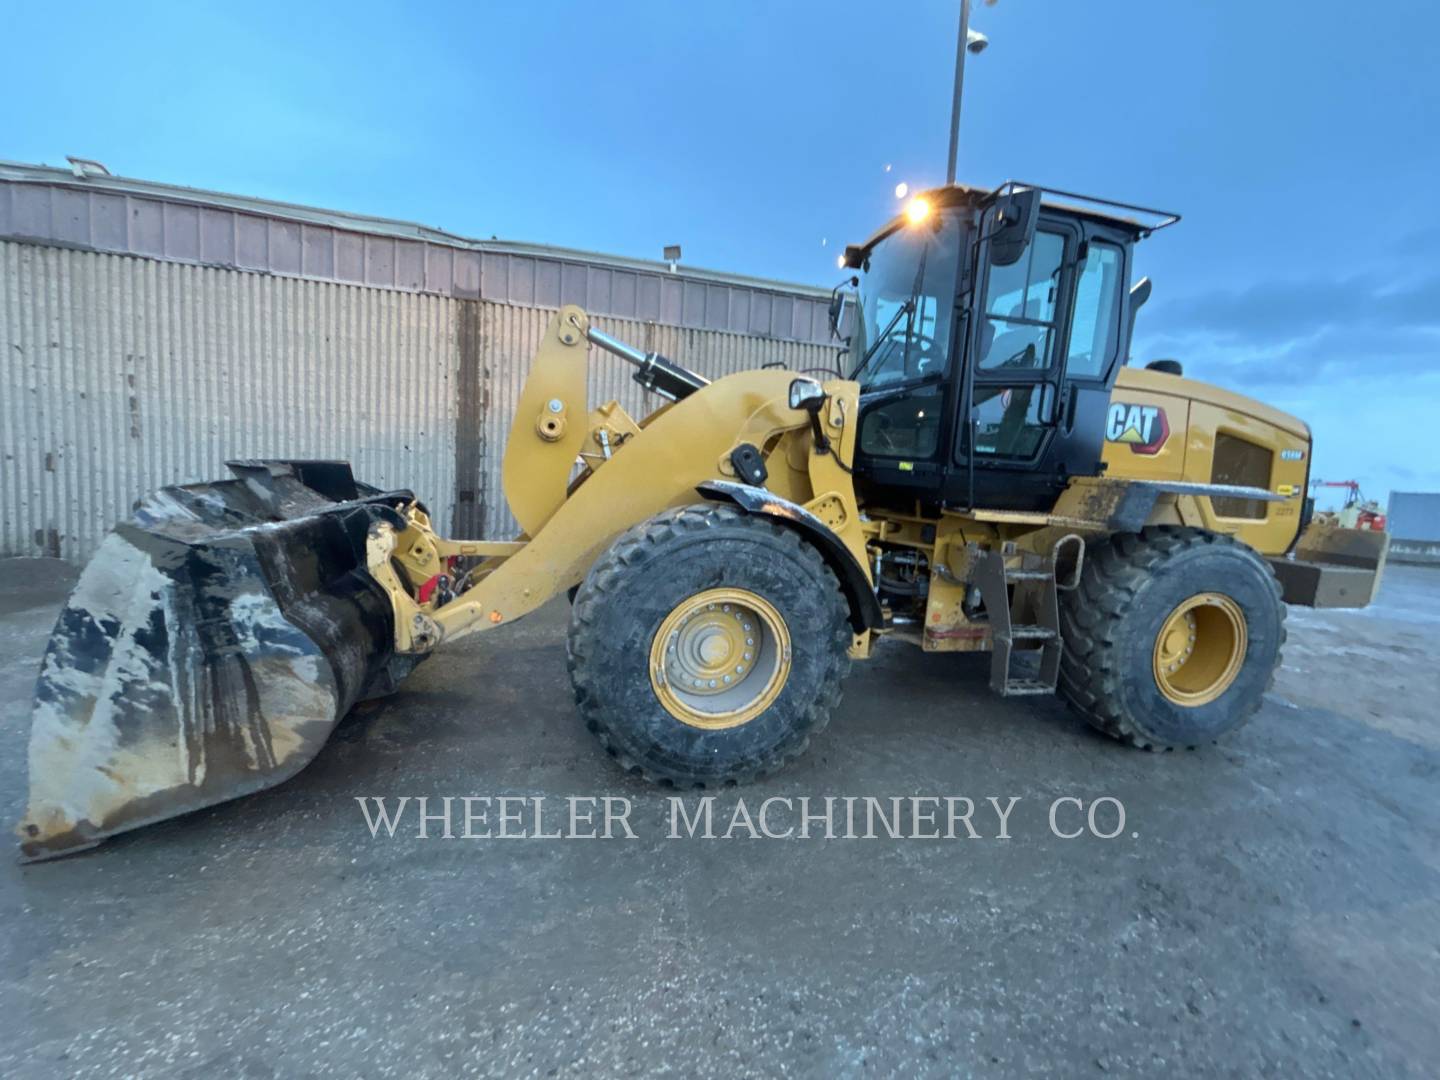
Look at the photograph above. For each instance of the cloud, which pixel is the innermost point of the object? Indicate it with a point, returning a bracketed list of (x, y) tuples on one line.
[(1284, 332), (1380, 436), (1356, 357), (1282, 310)]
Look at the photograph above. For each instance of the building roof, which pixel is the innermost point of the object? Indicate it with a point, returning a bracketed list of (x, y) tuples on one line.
[(120, 215)]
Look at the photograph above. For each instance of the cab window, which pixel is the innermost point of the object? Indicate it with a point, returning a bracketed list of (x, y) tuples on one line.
[(906, 427), (1021, 301), (1096, 321), (907, 302)]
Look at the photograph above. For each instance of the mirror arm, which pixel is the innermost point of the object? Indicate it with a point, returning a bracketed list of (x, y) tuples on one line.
[(817, 433)]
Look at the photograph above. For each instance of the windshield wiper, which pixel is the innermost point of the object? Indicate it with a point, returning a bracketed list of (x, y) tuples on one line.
[(908, 308), (884, 335), (907, 387)]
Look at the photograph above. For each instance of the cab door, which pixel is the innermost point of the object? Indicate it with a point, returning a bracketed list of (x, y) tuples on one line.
[(1043, 348)]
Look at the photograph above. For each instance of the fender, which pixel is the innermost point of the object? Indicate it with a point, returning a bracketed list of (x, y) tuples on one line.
[(1138, 498), (854, 581)]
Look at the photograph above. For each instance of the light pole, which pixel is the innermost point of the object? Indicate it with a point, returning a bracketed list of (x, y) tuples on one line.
[(966, 41)]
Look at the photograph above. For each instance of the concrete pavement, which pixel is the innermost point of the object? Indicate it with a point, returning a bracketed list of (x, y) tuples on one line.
[(1271, 908)]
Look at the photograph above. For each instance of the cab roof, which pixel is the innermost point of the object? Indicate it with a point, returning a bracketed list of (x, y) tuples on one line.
[(1140, 221)]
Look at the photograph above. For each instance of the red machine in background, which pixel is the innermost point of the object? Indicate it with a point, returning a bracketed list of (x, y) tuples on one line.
[(1358, 511)]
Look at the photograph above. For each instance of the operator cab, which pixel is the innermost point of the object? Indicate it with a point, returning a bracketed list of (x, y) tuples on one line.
[(1001, 308)]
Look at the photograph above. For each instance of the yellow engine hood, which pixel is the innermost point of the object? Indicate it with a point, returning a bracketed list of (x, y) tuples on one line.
[(1158, 382)]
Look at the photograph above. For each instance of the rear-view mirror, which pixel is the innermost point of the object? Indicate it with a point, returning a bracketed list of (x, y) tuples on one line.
[(838, 300), (1012, 220)]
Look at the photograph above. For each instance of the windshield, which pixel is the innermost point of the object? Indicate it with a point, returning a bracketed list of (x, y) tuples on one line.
[(906, 302)]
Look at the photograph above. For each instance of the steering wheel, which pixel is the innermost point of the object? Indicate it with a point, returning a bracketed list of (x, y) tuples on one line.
[(924, 344), (882, 426), (1022, 358)]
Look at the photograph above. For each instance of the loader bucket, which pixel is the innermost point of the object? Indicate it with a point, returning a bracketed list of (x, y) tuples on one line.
[(208, 650), (1333, 567)]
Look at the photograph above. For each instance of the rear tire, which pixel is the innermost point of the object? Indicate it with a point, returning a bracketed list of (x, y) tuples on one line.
[(712, 578), (1172, 638)]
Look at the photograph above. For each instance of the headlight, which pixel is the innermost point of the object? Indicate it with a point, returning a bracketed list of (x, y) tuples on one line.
[(806, 394)]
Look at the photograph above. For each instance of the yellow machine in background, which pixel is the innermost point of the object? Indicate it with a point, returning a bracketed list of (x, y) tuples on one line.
[(985, 474)]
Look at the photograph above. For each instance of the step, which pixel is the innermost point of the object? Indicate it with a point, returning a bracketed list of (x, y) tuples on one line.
[(1018, 687), (1025, 632), (1028, 575)]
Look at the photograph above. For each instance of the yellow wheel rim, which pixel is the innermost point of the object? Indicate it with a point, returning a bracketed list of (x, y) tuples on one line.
[(720, 658), (1200, 649)]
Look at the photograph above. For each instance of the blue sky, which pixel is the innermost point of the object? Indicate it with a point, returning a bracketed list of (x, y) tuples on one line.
[(1301, 140)]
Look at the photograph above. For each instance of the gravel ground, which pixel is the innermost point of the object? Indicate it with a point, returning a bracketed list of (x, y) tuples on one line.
[(1271, 907)]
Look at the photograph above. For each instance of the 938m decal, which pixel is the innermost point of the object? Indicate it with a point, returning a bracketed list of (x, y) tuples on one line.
[(1143, 428)]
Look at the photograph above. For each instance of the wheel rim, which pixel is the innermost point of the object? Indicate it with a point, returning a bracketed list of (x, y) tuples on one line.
[(720, 658), (1200, 649)]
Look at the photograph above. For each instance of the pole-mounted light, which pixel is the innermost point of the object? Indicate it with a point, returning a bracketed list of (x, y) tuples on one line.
[(971, 41)]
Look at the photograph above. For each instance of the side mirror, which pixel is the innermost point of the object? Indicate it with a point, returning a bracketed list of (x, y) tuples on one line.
[(1139, 293), (1012, 225), (838, 300), (837, 312)]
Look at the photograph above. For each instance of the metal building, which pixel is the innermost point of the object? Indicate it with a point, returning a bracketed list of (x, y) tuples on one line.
[(1413, 521), (148, 333)]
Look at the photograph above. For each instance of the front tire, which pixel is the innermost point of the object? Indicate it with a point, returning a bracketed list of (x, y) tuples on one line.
[(707, 646), (1172, 638)]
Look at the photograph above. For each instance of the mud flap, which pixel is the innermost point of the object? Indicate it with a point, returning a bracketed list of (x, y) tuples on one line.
[(208, 650)]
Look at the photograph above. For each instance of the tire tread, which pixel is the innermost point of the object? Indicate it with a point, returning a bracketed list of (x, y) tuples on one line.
[(632, 554), (1092, 615)]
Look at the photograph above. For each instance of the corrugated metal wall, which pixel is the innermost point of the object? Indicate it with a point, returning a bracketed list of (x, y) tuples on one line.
[(130, 217), (121, 374), (510, 336)]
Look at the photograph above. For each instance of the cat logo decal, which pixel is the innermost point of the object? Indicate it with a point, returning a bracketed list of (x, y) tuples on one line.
[(1143, 428)]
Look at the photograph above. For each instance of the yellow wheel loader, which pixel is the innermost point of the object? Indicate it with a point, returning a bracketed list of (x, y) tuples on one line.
[(983, 473)]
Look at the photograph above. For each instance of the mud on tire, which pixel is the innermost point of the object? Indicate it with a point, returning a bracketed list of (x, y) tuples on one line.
[(1130, 585), (650, 571)]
